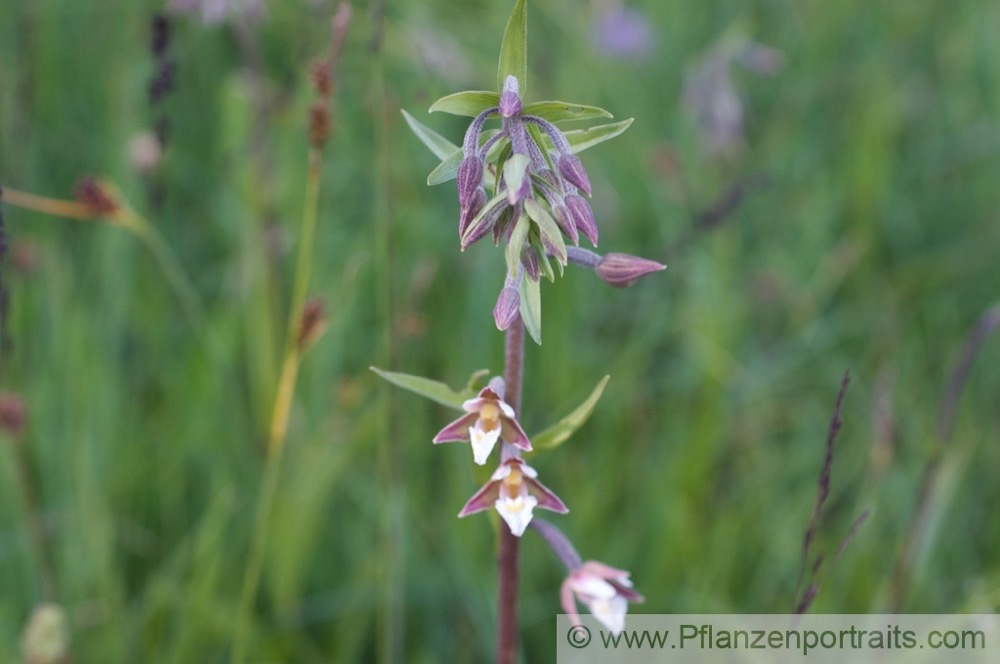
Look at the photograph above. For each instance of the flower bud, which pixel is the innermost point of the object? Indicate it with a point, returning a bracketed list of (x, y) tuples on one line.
[(572, 169), (565, 222), (470, 211), (510, 100), (469, 178), (621, 270), (529, 260), (507, 307), (582, 216)]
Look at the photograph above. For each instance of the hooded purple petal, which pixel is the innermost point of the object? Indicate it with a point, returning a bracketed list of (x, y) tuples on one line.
[(483, 499), (545, 497), (457, 431)]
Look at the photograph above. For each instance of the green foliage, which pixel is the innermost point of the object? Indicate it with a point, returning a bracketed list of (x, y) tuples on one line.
[(559, 433), (514, 48), (872, 247), (425, 387)]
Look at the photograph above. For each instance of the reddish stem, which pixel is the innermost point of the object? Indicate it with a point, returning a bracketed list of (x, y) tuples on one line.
[(507, 556)]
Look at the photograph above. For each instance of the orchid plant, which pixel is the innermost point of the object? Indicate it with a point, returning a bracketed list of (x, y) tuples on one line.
[(523, 185)]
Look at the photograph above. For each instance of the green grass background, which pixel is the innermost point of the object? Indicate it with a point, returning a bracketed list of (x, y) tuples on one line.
[(874, 249)]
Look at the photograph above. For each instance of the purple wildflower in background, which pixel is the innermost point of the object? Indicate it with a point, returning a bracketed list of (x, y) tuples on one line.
[(711, 96), (621, 32)]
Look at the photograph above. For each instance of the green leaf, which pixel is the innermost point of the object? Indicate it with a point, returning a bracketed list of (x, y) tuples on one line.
[(559, 432), (469, 103), (583, 139), (558, 111), (543, 257), (548, 228), (531, 308), (514, 48), (447, 170), (517, 239), (541, 141), (425, 387), (473, 385), (438, 144), (514, 172)]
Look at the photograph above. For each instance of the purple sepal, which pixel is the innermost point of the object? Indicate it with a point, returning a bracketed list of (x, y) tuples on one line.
[(583, 217), (572, 169)]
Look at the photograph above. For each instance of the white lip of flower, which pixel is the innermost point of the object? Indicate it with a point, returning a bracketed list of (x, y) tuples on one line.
[(485, 433), (514, 503), (603, 600), (605, 590)]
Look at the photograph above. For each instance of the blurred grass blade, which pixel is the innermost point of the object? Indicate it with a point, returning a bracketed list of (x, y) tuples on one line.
[(514, 48), (557, 111), (583, 139), (559, 432), (531, 308), (438, 144), (469, 103), (425, 387)]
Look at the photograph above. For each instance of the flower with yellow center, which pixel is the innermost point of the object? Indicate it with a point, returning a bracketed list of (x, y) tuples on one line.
[(514, 492), (488, 419)]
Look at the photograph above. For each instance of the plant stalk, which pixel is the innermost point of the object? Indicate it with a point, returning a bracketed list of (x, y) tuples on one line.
[(507, 555)]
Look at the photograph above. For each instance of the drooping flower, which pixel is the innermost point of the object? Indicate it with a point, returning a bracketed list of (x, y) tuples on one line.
[(605, 590), (488, 419), (514, 492)]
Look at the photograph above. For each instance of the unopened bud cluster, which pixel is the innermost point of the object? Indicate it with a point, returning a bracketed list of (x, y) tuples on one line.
[(538, 193)]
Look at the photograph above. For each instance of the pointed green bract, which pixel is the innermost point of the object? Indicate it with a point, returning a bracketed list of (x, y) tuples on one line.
[(583, 139), (557, 111), (425, 387), (435, 142), (517, 239), (480, 218), (514, 48), (548, 228), (469, 103), (531, 308), (447, 170), (559, 432), (514, 172)]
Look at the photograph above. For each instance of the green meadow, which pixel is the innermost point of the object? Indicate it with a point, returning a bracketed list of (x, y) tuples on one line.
[(851, 225)]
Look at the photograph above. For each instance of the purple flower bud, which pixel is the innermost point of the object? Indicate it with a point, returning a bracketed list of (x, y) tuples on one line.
[(621, 270), (582, 216), (510, 100), (507, 307), (529, 260), (470, 211), (572, 169), (565, 222), (469, 177)]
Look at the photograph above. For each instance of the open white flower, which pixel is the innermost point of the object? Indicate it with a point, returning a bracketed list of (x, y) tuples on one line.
[(488, 419), (515, 493), (605, 590)]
